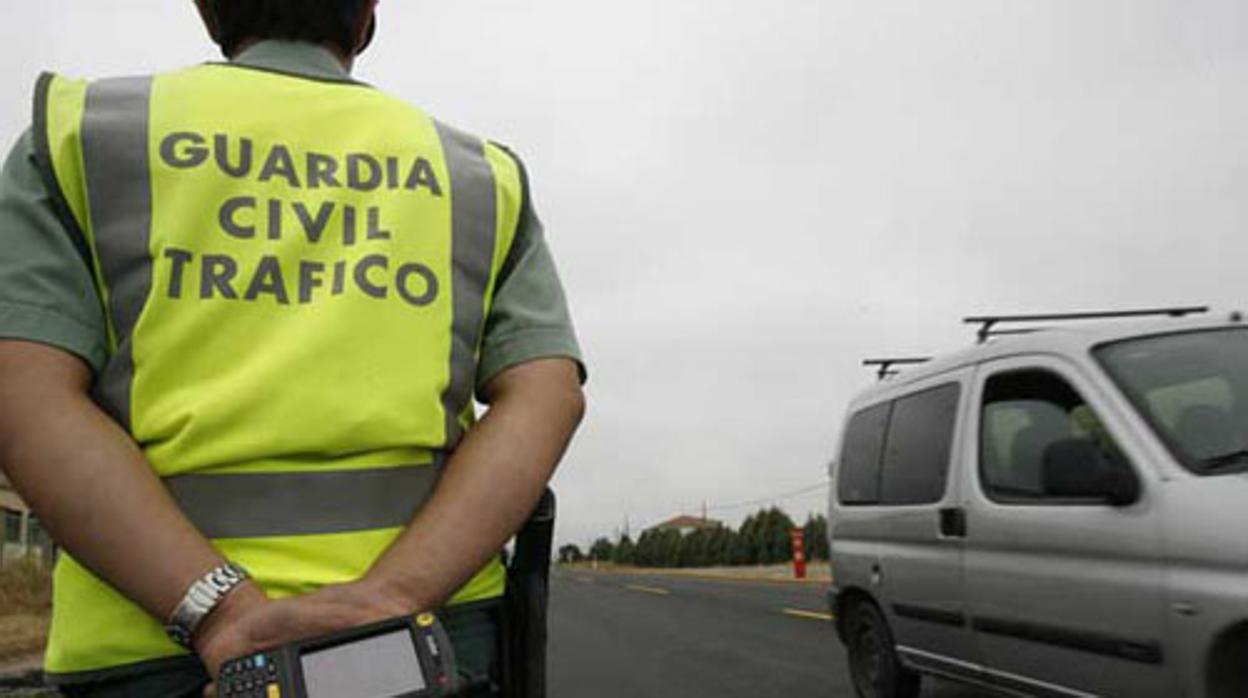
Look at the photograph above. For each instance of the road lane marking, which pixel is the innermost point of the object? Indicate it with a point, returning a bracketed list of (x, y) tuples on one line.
[(811, 615), (728, 578), (647, 590), (584, 580)]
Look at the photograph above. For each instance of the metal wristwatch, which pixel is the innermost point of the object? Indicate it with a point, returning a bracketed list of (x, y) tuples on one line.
[(203, 596)]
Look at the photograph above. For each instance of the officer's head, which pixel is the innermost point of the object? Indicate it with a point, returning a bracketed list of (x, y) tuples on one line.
[(346, 26)]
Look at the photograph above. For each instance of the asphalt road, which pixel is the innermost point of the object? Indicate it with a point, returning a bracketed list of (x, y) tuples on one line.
[(628, 636)]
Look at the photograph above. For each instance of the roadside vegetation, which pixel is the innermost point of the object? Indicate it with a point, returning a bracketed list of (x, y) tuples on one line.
[(25, 604), (762, 539)]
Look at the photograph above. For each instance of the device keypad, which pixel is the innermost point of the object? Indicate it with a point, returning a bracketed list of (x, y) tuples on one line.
[(250, 677)]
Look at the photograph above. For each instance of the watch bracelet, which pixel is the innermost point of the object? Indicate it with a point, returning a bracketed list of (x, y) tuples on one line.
[(201, 599)]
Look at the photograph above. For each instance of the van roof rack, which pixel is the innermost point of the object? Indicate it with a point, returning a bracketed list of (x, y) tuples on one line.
[(988, 323), (885, 366)]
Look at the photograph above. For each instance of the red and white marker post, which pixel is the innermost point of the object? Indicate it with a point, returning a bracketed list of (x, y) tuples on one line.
[(799, 553)]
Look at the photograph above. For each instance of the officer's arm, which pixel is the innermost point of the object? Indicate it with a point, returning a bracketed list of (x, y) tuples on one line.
[(89, 484), (491, 484)]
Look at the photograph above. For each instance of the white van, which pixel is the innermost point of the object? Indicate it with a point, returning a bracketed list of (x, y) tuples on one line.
[(1059, 513)]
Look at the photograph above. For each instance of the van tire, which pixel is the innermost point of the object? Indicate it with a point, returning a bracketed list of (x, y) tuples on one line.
[(873, 664), (1227, 676)]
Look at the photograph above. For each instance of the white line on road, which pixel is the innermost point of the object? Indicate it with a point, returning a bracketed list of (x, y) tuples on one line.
[(647, 590), (811, 615)]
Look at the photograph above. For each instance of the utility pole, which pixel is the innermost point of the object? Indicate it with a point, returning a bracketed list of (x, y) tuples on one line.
[(704, 511)]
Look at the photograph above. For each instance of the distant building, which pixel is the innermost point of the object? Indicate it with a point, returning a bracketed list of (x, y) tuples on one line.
[(687, 524), (23, 537)]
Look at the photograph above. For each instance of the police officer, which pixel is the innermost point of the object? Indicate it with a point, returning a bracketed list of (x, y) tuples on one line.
[(244, 311)]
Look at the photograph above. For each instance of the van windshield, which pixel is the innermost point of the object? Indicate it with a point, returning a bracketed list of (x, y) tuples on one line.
[(1192, 387)]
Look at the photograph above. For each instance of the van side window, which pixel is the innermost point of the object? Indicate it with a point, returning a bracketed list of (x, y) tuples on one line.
[(1030, 422), (858, 476), (920, 438)]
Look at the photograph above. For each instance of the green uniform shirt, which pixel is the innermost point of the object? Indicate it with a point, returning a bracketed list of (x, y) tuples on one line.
[(47, 293)]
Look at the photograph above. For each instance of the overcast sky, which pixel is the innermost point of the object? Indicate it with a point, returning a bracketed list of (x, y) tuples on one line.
[(746, 198)]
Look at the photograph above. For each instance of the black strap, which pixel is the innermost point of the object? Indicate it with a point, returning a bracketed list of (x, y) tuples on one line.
[(526, 601)]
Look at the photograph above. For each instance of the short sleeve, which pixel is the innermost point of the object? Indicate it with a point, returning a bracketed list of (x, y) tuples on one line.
[(529, 317), (47, 290)]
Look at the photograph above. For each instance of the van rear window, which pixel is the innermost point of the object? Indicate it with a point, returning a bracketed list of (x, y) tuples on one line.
[(897, 453), (858, 477)]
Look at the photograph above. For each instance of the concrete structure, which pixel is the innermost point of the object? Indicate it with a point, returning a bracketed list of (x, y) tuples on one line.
[(21, 536)]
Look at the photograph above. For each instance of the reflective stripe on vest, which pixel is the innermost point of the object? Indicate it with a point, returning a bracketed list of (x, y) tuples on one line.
[(119, 192), (473, 221), (303, 504), (295, 327)]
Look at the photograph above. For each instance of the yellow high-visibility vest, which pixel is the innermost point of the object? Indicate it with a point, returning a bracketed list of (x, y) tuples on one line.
[(296, 275)]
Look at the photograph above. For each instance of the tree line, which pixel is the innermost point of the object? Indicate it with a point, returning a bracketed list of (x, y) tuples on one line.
[(762, 539)]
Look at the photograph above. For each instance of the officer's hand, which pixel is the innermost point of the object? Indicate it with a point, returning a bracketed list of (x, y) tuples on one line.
[(255, 626), (219, 638)]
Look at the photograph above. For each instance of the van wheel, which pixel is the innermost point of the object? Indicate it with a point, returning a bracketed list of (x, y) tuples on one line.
[(873, 663)]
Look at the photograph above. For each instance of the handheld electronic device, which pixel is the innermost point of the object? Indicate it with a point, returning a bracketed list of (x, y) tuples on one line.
[(399, 658)]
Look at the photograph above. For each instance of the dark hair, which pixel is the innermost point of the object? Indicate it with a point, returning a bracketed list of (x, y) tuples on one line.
[(316, 21)]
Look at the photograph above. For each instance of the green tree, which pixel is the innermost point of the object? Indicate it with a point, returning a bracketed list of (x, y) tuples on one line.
[(570, 553), (761, 537), (750, 541), (645, 554), (602, 549), (670, 541), (695, 548), (721, 546), (624, 552), (816, 533), (777, 537), (764, 539)]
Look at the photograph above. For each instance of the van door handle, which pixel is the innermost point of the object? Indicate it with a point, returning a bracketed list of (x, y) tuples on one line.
[(953, 522)]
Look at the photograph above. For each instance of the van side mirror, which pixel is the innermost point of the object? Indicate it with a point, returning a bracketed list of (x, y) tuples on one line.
[(1080, 469)]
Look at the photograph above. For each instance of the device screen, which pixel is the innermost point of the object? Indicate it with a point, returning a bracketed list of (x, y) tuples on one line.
[(377, 667)]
